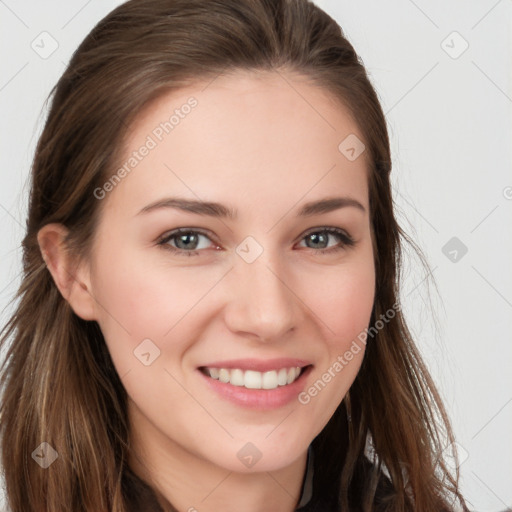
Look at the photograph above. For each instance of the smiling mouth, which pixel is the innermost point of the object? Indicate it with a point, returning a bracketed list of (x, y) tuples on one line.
[(251, 379)]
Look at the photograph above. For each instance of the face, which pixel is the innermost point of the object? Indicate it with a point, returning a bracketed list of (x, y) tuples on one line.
[(207, 325)]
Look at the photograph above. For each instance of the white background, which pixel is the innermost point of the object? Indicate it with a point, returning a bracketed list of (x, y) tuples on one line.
[(449, 122)]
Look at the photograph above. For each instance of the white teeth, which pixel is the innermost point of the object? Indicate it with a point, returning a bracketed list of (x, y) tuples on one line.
[(269, 380), (255, 380), (282, 377), (237, 377), (252, 380), (224, 375)]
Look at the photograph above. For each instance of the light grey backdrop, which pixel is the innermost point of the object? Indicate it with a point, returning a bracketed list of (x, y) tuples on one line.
[(443, 73)]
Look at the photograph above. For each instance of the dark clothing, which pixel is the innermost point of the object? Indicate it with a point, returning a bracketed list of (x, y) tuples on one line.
[(318, 494)]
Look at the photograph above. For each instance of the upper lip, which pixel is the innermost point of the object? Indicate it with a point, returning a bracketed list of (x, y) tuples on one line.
[(259, 365)]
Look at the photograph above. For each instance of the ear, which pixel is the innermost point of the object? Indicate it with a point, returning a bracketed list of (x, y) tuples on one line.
[(72, 280)]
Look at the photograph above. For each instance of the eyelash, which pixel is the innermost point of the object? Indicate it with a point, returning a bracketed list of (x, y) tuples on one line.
[(346, 240)]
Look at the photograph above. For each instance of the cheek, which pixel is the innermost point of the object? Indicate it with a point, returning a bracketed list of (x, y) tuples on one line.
[(343, 301), (139, 299), (133, 304)]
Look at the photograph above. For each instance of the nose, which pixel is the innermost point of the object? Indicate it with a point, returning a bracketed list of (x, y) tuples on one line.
[(262, 302)]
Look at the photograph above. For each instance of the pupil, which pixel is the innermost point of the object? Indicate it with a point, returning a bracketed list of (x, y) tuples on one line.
[(316, 237), (184, 237)]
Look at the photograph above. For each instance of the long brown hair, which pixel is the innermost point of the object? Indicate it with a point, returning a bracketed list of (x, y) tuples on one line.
[(59, 382)]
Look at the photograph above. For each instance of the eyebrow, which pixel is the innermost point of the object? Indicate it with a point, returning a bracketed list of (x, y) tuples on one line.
[(219, 210)]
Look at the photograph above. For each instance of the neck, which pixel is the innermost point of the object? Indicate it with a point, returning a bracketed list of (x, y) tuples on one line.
[(194, 484)]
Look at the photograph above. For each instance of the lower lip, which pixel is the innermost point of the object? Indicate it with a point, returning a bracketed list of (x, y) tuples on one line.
[(262, 399)]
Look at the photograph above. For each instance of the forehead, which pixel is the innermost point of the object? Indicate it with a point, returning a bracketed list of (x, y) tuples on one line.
[(244, 136)]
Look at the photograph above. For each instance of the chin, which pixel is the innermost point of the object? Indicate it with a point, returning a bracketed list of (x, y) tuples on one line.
[(260, 454)]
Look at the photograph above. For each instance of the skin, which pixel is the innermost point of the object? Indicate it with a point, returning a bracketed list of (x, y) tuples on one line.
[(257, 144)]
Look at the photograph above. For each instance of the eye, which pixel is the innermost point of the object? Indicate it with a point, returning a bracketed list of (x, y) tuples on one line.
[(186, 241), (320, 236)]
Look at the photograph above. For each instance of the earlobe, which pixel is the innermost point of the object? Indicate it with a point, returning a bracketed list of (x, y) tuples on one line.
[(71, 279)]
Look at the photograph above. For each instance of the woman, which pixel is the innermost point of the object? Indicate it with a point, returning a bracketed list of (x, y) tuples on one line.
[(257, 371)]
